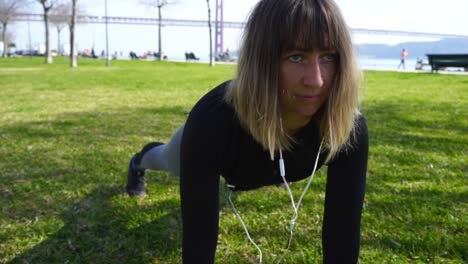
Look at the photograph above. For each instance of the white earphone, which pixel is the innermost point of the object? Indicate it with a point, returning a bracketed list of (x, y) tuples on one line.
[(295, 206)]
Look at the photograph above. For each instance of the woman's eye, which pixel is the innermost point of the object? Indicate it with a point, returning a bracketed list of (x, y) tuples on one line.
[(328, 58), (295, 58)]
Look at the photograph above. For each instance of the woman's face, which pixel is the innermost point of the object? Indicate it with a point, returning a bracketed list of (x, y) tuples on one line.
[(305, 80)]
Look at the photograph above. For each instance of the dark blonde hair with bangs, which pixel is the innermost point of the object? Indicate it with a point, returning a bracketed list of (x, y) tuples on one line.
[(274, 28)]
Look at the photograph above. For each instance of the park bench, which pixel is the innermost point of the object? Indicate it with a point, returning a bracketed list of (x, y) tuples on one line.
[(438, 61), (190, 56)]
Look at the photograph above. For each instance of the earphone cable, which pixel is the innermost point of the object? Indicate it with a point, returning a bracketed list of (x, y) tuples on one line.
[(245, 227), (295, 215), (292, 223)]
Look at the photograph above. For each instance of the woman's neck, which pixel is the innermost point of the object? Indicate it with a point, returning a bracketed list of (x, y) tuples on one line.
[(293, 123)]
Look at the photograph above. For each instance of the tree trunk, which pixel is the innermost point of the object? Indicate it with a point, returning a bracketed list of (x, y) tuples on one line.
[(212, 63), (59, 49), (73, 60), (5, 45), (48, 54), (159, 33), (107, 37)]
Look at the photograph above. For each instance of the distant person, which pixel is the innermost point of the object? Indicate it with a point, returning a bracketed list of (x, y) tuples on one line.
[(227, 55), (419, 64), (403, 56), (291, 109)]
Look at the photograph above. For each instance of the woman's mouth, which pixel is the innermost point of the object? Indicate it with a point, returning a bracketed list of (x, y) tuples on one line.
[(308, 97)]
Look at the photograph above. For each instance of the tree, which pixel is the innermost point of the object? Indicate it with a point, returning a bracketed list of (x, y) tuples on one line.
[(60, 17), (157, 4), (210, 32), (66, 14), (7, 40), (107, 36), (8, 10), (73, 60), (47, 5)]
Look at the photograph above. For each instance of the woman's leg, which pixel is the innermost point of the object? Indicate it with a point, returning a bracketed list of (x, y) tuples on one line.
[(164, 157), (153, 156)]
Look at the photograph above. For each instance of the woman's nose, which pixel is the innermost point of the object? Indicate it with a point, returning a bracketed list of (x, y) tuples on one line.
[(313, 74)]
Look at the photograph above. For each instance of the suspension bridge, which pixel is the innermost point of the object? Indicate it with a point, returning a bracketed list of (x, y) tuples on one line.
[(226, 24), (219, 25)]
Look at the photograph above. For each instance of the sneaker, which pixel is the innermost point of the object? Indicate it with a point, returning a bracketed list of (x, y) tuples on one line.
[(135, 179)]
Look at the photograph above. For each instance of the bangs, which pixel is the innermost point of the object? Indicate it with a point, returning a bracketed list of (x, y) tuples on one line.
[(308, 25)]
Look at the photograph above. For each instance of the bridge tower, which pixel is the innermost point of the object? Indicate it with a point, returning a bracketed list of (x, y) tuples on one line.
[(219, 28)]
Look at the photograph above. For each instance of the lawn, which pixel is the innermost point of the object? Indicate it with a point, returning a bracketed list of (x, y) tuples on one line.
[(66, 136)]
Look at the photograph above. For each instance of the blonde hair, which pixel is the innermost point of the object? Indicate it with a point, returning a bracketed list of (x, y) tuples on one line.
[(273, 28)]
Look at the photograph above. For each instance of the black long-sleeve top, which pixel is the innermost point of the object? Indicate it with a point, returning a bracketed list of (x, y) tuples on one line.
[(215, 144)]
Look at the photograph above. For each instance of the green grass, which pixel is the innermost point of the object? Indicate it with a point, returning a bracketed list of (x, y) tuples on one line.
[(66, 136)]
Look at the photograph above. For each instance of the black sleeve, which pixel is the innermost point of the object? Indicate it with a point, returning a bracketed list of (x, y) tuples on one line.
[(345, 190), (199, 183)]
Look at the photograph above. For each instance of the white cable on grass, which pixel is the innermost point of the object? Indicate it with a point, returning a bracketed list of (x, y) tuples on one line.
[(292, 223), (243, 225)]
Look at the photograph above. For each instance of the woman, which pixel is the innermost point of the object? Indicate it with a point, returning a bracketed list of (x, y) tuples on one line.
[(294, 99)]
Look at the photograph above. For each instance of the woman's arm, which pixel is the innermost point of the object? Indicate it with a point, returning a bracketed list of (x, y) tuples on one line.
[(204, 135), (344, 199), (199, 184)]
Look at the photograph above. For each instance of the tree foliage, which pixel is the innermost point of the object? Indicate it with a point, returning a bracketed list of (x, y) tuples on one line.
[(159, 4), (9, 9), (47, 5), (61, 16)]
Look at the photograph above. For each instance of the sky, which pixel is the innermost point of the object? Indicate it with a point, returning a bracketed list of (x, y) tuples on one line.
[(433, 16)]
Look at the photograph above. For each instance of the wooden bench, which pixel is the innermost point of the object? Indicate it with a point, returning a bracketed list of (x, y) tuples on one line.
[(190, 56), (447, 60)]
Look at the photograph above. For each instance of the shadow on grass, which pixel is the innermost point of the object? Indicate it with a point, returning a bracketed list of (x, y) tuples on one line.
[(69, 169), (48, 163), (419, 220), (96, 230), (414, 192), (419, 127)]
